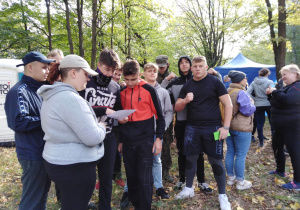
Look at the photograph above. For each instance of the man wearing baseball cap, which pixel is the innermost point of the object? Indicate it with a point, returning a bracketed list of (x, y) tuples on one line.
[(22, 108), (163, 65)]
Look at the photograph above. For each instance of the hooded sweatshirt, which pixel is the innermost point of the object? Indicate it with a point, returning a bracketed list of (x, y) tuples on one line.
[(174, 86), (259, 85), (72, 133)]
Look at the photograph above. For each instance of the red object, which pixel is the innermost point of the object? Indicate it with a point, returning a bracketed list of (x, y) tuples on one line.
[(120, 182), (97, 185)]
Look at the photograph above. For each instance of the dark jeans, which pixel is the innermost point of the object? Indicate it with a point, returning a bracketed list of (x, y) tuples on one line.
[(260, 118), (117, 174), (76, 183), (105, 168), (138, 161), (36, 185), (166, 158), (289, 136)]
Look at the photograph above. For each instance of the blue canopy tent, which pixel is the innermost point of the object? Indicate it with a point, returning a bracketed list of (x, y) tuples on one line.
[(249, 67)]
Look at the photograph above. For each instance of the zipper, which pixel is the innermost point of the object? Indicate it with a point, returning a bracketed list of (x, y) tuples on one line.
[(131, 102)]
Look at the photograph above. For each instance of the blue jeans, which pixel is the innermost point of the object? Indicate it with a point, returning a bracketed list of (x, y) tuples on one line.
[(238, 144), (157, 170), (36, 185)]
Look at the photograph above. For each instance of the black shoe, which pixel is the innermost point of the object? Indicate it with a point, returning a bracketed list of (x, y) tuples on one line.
[(160, 192), (91, 205), (124, 201), (205, 188), (266, 138), (253, 139), (261, 144), (168, 178)]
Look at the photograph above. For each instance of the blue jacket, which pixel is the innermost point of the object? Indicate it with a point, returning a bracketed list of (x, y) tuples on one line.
[(22, 108)]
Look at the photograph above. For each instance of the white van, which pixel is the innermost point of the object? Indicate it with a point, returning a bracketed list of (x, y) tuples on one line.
[(9, 76)]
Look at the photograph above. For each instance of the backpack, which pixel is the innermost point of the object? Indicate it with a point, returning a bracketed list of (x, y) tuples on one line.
[(222, 108)]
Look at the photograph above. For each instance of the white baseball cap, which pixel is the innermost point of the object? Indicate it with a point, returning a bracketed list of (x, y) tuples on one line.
[(75, 61)]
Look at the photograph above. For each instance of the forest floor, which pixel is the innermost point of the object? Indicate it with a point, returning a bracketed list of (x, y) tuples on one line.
[(265, 193)]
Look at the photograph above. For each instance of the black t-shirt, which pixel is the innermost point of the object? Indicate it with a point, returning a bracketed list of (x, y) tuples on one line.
[(204, 109)]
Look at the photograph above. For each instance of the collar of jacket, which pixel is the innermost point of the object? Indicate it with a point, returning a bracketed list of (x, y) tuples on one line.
[(32, 83)]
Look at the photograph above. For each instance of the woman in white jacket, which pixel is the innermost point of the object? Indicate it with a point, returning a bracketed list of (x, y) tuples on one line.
[(72, 134)]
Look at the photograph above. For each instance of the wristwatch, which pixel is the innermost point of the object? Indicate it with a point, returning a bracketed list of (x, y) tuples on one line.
[(226, 128)]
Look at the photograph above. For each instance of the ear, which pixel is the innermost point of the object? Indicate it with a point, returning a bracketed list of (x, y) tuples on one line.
[(72, 73), (98, 65)]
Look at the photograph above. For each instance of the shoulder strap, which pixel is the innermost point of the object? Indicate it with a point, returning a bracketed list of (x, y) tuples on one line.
[(233, 116), (233, 90)]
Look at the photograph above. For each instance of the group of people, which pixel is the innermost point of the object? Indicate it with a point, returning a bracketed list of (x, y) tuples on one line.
[(63, 133)]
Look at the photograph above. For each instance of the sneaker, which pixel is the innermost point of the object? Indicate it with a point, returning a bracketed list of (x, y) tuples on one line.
[(91, 205), (168, 178), (205, 188), (261, 144), (224, 203), (160, 192), (231, 180), (243, 184), (120, 182), (124, 203), (282, 174), (97, 185), (179, 186), (253, 139), (292, 186), (187, 192), (266, 138)]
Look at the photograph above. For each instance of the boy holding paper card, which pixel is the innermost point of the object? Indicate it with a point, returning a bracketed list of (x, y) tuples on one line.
[(138, 133), (103, 94), (201, 95)]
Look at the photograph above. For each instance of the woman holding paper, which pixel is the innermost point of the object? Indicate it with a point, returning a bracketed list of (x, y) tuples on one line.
[(72, 134), (241, 126)]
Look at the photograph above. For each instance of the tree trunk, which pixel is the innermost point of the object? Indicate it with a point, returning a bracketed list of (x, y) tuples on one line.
[(112, 24), (24, 20), (279, 47), (94, 34), (80, 32), (49, 24), (69, 27)]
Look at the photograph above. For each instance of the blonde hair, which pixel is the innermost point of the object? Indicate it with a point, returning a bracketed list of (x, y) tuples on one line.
[(150, 66), (55, 52), (291, 68), (198, 59)]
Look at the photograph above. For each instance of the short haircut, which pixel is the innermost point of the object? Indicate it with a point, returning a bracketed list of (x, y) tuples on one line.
[(64, 71), (131, 67), (55, 52), (110, 58), (263, 72), (291, 68), (150, 66), (198, 59)]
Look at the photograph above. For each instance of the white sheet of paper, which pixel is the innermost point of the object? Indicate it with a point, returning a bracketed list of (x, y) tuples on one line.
[(121, 114)]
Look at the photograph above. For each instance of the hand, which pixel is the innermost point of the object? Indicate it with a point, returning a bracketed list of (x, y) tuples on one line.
[(120, 148), (269, 90), (211, 71), (223, 133), (157, 146), (123, 121), (171, 76), (122, 84), (109, 111), (101, 123), (189, 97)]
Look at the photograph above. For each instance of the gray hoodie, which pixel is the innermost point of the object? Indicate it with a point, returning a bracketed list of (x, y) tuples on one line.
[(259, 85), (166, 105), (72, 133)]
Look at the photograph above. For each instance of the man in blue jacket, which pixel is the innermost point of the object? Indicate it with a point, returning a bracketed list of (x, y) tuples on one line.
[(22, 108)]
